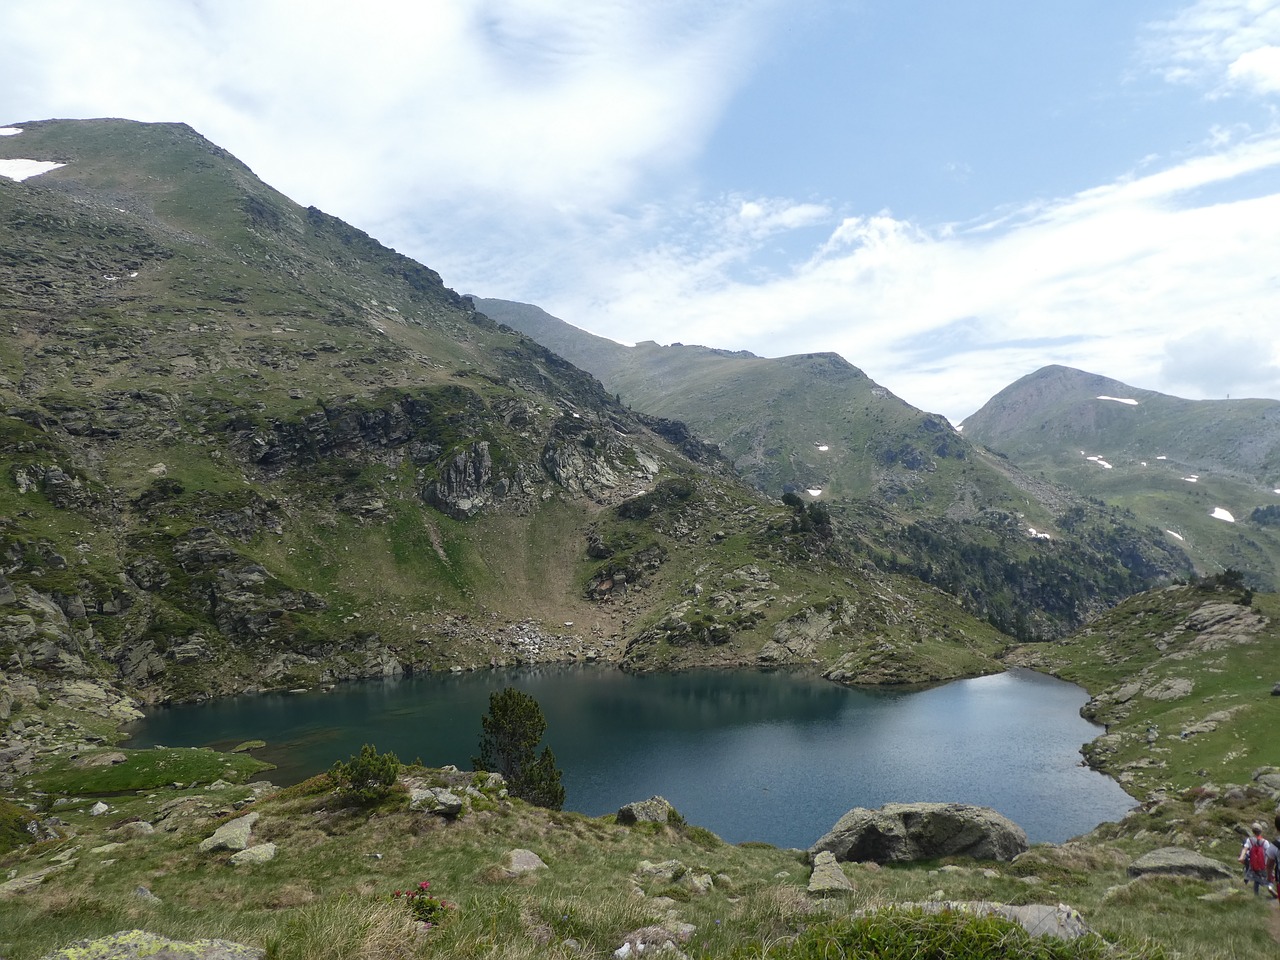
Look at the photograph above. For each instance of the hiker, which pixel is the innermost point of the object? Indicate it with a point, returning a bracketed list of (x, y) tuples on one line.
[(1275, 864), (1259, 857)]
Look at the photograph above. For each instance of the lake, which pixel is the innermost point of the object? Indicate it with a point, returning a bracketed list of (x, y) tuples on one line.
[(776, 756)]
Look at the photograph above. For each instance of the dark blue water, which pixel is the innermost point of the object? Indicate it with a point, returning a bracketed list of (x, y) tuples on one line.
[(777, 757)]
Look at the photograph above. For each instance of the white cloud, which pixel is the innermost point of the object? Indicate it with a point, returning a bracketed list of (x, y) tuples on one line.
[(1259, 69), (525, 102), (1221, 44), (760, 218), (945, 317)]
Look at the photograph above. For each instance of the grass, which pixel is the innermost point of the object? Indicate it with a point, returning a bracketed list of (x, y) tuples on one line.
[(328, 893), (144, 770), (1146, 638)]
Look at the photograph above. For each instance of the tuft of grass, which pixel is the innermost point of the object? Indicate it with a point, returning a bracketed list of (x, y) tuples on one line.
[(348, 928)]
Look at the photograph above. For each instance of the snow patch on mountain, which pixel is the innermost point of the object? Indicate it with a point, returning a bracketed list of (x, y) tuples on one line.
[(19, 169), (1124, 400), (10, 131), (1220, 514)]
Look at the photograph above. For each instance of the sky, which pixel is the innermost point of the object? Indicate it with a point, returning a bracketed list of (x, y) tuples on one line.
[(949, 195)]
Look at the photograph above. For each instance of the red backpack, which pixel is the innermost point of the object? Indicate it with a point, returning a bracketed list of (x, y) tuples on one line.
[(1257, 855)]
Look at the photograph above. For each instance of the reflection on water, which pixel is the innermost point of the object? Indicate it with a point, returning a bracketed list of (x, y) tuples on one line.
[(776, 756)]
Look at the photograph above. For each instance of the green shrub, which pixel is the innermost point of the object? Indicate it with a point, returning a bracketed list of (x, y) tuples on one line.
[(913, 935), (367, 778)]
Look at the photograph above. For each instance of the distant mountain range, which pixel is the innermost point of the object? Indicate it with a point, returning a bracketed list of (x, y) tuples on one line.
[(1063, 440)]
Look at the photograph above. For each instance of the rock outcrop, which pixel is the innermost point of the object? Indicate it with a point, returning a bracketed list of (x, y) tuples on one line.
[(653, 810), (827, 877), (899, 832), (1180, 862), (233, 835), (135, 944)]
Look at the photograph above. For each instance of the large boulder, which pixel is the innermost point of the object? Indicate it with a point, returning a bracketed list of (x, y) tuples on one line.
[(827, 877), (653, 810), (899, 832), (438, 800), (233, 835)]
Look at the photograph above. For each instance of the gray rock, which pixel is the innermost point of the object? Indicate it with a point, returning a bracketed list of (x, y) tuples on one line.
[(30, 881), (900, 832), (146, 896), (665, 872), (1178, 861), (438, 800), (1269, 780), (259, 854), (827, 877), (699, 884), (231, 836), (136, 828), (98, 809), (136, 944), (1038, 919), (108, 759), (653, 810), (1275, 691), (1170, 688), (655, 939), (518, 862)]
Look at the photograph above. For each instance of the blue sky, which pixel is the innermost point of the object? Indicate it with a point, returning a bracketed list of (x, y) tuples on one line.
[(948, 195)]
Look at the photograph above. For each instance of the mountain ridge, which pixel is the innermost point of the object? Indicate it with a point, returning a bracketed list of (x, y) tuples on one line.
[(1205, 471)]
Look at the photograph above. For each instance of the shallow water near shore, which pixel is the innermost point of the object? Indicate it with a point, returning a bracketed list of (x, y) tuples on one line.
[(776, 757)]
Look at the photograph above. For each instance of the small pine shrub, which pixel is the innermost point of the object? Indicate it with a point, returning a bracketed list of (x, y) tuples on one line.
[(367, 778)]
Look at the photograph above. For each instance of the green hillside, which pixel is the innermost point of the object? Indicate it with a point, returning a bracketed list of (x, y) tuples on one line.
[(1182, 466), (244, 446)]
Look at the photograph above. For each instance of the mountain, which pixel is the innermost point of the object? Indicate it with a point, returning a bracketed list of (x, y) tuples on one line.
[(913, 494), (1205, 471), (244, 445)]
